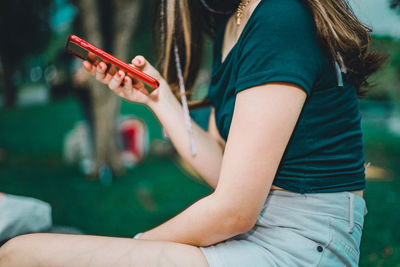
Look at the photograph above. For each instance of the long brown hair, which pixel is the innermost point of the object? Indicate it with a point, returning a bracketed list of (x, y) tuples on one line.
[(186, 22), (395, 3)]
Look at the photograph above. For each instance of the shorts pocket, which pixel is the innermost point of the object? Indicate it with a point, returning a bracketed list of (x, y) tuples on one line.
[(344, 247), (297, 238), (310, 225)]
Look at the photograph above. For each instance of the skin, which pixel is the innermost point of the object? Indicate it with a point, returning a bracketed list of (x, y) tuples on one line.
[(260, 130)]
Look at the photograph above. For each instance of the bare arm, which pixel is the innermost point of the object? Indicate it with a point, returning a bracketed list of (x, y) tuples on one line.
[(263, 121), (207, 161), (213, 130)]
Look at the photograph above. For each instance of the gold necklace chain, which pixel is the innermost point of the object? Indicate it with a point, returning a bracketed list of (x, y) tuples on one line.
[(239, 11)]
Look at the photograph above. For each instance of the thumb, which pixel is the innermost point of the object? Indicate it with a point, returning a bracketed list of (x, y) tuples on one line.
[(141, 63)]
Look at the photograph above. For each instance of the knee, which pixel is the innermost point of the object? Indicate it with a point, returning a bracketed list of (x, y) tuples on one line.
[(12, 251), (7, 251)]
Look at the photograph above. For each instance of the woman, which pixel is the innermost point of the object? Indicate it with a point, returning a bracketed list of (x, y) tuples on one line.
[(284, 147)]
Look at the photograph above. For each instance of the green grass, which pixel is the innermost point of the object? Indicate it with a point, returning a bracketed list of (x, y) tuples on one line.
[(381, 238), (147, 195), (153, 192)]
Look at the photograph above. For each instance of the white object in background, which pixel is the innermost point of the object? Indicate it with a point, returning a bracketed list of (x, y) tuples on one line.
[(21, 215)]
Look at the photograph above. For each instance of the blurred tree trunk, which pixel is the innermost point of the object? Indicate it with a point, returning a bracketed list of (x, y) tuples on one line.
[(106, 105), (10, 88), (21, 22)]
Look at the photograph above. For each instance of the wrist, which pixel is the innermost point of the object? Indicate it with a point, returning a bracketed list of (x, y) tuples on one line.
[(165, 99)]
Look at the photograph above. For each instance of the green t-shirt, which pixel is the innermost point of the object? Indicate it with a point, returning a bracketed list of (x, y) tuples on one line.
[(279, 44)]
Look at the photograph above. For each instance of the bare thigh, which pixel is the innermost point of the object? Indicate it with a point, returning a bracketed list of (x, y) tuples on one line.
[(82, 250)]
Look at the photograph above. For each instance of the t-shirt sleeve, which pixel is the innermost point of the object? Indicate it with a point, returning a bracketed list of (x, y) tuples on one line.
[(280, 45)]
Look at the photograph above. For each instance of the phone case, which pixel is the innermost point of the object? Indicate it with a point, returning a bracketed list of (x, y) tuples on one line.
[(87, 51)]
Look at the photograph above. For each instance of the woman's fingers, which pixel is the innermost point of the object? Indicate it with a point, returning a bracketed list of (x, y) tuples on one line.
[(89, 67), (130, 92), (116, 81), (127, 90), (138, 62), (122, 85), (101, 71), (130, 88), (141, 63)]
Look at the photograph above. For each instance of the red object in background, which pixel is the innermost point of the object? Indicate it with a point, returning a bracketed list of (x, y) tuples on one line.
[(135, 140), (130, 134)]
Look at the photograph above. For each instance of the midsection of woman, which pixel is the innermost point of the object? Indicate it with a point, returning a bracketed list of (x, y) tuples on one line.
[(283, 121), (326, 145), (325, 153)]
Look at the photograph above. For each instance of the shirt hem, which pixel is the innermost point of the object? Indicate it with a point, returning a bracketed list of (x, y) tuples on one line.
[(306, 187), (268, 77)]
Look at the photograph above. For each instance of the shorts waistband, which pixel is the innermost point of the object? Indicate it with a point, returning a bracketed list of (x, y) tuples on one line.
[(343, 205)]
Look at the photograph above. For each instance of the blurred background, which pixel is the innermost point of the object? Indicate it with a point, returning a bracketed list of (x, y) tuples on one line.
[(103, 164)]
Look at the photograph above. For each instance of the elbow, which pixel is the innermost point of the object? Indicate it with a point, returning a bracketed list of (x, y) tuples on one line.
[(228, 226), (243, 224), (229, 218), (239, 221)]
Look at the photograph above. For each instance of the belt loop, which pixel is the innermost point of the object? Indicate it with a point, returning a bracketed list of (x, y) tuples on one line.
[(351, 213)]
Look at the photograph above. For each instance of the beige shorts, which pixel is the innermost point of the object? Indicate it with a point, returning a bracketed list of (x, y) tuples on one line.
[(322, 229)]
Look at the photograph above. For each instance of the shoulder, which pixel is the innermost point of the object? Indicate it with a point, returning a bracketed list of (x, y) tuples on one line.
[(281, 24), (282, 15), (280, 44), (287, 9)]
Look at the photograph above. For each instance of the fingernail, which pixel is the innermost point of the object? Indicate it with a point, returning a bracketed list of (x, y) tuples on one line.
[(138, 61), (126, 79), (119, 74)]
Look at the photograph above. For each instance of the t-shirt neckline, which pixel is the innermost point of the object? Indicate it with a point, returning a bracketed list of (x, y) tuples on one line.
[(222, 37)]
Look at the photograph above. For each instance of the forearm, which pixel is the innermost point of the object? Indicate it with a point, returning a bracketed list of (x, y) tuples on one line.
[(207, 161), (202, 224)]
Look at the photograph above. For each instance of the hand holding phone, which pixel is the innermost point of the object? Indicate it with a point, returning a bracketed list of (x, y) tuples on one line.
[(95, 56)]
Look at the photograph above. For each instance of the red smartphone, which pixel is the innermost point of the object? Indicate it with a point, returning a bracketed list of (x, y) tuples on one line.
[(95, 55)]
